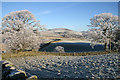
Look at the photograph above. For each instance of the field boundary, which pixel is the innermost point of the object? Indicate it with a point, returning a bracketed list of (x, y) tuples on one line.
[(34, 53)]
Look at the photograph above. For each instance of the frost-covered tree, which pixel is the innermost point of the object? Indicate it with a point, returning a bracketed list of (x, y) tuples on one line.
[(106, 23), (20, 31), (92, 35), (1, 47), (19, 19), (59, 49), (116, 39), (19, 41)]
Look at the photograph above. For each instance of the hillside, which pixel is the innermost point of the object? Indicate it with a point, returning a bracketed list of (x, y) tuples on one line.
[(61, 33)]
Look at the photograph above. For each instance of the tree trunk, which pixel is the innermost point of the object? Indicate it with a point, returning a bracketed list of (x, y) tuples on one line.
[(105, 46), (110, 44)]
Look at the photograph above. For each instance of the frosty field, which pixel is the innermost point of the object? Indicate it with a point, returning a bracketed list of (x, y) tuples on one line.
[(50, 66)]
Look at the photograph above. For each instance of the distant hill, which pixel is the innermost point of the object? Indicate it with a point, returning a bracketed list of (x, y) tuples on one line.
[(62, 32)]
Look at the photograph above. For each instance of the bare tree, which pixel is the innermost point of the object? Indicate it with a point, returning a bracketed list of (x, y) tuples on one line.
[(106, 23)]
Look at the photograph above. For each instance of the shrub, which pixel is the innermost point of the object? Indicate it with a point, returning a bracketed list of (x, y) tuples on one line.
[(59, 49)]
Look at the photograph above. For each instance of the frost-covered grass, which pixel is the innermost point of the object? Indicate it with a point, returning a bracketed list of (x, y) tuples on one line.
[(34, 53), (51, 66)]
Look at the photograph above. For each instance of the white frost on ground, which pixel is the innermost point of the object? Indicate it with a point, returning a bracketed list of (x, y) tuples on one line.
[(49, 66), (76, 41)]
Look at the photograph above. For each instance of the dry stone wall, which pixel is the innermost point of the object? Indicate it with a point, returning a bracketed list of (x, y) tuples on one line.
[(9, 72)]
